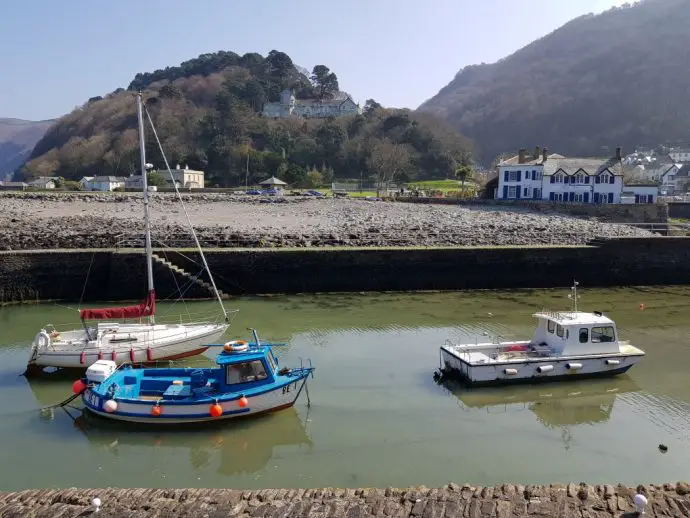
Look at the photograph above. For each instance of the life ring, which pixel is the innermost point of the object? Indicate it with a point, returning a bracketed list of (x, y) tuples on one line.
[(236, 346), (42, 340)]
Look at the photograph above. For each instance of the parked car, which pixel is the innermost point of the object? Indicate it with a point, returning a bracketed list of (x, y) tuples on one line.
[(254, 192), (314, 193)]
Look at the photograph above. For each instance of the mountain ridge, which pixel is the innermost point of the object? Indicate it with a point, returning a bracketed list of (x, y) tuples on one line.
[(595, 82), (17, 139)]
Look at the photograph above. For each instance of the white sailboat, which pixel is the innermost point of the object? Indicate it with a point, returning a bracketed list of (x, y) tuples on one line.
[(106, 338)]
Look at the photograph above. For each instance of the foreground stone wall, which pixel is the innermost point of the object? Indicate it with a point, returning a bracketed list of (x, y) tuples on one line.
[(121, 275), (614, 213), (514, 501)]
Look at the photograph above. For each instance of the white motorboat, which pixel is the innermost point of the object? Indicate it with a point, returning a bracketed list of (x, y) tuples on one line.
[(111, 337), (565, 345)]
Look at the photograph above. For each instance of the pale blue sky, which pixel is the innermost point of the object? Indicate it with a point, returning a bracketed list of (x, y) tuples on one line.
[(54, 55)]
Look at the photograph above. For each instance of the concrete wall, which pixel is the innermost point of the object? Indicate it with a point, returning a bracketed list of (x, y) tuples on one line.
[(121, 275), (616, 213)]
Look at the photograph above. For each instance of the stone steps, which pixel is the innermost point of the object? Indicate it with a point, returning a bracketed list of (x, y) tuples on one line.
[(181, 272)]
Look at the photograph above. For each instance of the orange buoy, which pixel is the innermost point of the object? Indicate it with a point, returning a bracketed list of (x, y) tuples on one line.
[(641, 307), (243, 402), (78, 387), (156, 411), (216, 410)]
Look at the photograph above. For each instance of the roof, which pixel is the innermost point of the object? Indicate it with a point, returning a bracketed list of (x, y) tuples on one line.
[(515, 160), (590, 166), (253, 353), (273, 181), (110, 179), (570, 318), (14, 184)]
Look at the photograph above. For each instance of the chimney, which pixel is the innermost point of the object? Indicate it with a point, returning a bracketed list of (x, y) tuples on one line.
[(521, 155), (618, 154), (544, 155), (537, 152), (177, 167), (186, 167)]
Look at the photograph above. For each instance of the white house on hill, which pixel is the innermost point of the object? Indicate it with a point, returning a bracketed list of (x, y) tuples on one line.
[(311, 108), (540, 176)]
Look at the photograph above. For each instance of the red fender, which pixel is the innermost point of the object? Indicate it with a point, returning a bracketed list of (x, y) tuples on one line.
[(149, 354), (131, 355), (82, 357)]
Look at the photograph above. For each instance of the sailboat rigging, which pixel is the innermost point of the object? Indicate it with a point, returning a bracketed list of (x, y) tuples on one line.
[(130, 342)]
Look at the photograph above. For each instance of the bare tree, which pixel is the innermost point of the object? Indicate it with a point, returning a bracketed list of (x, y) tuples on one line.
[(388, 160)]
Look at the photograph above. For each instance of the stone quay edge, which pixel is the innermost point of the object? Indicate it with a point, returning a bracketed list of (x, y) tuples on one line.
[(453, 500)]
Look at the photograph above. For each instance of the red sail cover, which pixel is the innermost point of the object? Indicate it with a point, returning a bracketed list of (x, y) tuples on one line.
[(146, 308)]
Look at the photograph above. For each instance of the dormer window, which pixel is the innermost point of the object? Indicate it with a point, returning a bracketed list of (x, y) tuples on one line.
[(579, 178), (560, 178), (605, 178)]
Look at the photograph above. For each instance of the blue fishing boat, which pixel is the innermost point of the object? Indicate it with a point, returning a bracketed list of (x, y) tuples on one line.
[(246, 381)]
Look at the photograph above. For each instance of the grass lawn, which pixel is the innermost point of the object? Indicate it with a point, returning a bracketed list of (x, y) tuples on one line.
[(442, 185)]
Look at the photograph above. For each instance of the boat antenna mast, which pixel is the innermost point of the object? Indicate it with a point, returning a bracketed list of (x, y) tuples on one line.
[(573, 295), (147, 214), (189, 221)]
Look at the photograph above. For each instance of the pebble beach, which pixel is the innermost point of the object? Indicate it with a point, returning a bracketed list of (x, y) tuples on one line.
[(108, 220)]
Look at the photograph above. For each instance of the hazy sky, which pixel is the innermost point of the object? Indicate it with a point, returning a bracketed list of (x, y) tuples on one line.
[(54, 55)]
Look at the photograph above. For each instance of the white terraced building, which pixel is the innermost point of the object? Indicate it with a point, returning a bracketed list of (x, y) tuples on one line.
[(540, 176)]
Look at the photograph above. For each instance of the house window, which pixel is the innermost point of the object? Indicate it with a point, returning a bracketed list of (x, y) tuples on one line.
[(579, 196), (537, 194), (512, 176), (603, 334), (579, 178), (584, 335), (557, 196), (245, 372), (512, 192), (536, 175), (550, 326), (526, 193), (560, 178)]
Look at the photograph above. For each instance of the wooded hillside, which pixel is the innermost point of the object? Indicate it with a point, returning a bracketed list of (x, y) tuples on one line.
[(618, 78), (207, 114)]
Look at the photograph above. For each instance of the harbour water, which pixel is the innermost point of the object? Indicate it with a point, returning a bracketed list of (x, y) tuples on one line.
[(377, 417)]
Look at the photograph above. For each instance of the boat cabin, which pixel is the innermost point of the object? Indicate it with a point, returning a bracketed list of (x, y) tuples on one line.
[(575, 333)]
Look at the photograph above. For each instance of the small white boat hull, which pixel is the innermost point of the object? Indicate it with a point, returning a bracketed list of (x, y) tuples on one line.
[(535, 370), (146, 344), (195, 412)]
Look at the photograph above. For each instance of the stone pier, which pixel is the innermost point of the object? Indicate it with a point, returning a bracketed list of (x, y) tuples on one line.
[(514, 501)]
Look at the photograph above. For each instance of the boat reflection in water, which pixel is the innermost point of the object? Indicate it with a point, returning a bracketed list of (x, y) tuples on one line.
[(242, 446), (555, 407)]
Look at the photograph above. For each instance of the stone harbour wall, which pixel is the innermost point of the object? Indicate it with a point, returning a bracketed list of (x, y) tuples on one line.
[(120, 275), (505, 501)]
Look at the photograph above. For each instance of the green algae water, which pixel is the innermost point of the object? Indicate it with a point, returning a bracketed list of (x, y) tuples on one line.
[(377, 417)]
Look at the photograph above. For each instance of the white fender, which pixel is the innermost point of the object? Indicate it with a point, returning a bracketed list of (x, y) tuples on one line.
[(42, 339)]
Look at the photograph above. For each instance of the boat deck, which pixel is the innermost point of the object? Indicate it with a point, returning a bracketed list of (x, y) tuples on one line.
[(482, 355)]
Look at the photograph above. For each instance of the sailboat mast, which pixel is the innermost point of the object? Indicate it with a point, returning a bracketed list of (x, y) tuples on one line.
[(147, 215)]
